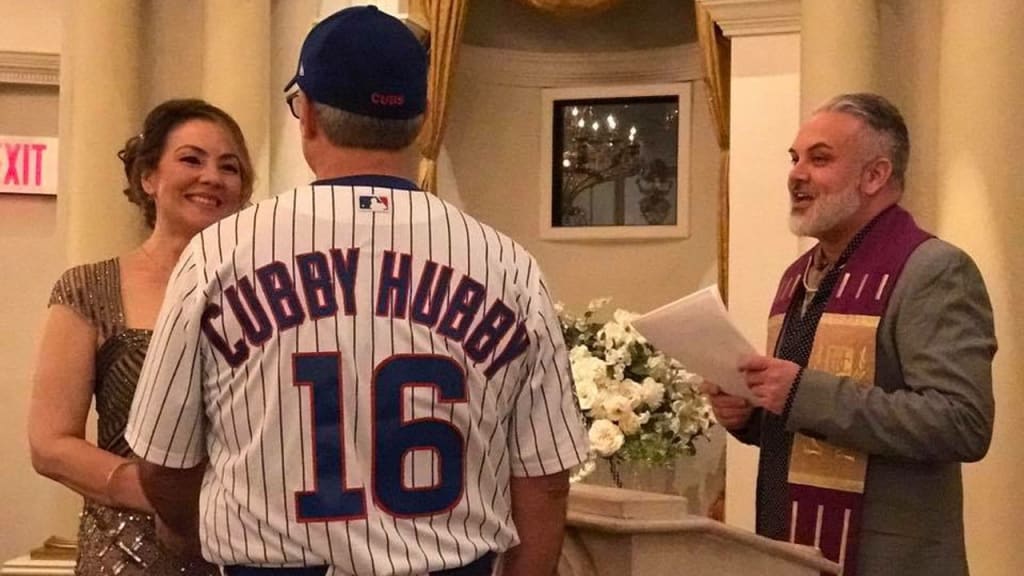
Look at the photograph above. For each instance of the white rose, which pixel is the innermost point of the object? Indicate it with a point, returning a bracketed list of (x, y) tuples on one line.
[(633, 391), (615, 407), (652, 392), (657, 366), (689, 427), (624, 317), (618, 356), (586, 392), (620, 371), (605, 437), (588, 368), (597, 406), (629, 423), (612, 333), (579, 353)]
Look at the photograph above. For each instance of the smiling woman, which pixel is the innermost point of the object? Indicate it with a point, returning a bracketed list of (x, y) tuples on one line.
[(169, 128), (198, 179), (188, 168)]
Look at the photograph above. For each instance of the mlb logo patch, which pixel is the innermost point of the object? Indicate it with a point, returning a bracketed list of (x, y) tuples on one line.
[(373, 203)]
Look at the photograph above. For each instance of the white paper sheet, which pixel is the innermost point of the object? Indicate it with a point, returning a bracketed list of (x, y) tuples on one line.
[(696, 330)]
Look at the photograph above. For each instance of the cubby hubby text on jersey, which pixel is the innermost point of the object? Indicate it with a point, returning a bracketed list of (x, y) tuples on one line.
[(316, 297)]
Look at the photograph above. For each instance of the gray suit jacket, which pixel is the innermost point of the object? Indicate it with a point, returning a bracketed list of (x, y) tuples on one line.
[(931, 408)]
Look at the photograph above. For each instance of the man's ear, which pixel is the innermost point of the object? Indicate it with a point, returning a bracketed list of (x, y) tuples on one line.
[(876, 175), (307, 118), (421, 134)]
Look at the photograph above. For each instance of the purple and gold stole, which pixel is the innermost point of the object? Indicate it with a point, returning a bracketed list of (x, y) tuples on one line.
[(826, 482)]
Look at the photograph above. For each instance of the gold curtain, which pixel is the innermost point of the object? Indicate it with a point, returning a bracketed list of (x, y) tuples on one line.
[(443, 20), (717, 54)]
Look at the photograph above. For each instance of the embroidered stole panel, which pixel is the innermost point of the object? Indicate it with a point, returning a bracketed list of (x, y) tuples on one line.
[(826, 482)]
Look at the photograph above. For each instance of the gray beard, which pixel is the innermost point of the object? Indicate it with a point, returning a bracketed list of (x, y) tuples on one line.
[(828, 213)]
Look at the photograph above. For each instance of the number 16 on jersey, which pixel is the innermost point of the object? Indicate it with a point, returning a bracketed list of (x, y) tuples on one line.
[(394, 438)]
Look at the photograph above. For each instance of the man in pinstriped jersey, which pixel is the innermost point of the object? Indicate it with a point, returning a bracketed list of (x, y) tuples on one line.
[(362, 378)]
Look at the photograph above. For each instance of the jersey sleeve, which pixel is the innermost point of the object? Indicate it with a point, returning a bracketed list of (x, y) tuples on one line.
[(167, 422), (548, 433)]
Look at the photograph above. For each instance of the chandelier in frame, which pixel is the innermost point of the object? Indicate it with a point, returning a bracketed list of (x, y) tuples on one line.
[(596, 148)]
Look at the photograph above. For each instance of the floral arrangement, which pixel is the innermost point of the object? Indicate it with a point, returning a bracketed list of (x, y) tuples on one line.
[(638, 404)]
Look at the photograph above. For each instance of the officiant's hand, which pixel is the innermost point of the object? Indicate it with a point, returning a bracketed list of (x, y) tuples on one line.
[(732, 412), (771, 380)]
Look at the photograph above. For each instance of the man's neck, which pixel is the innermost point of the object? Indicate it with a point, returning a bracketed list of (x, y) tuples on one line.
[(832, 249), (342, 162), (836, 240)]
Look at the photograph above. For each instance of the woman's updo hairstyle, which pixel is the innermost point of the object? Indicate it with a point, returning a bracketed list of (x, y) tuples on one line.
[(141, 153)]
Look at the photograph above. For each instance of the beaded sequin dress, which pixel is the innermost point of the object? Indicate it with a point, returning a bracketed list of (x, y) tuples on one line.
[(111, 540)]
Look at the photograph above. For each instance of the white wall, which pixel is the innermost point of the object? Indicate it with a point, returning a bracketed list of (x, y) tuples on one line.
[(32, 254), (494, 142), (289, 25), (954, 77), (765, 77), (33, 26), (980, 208)]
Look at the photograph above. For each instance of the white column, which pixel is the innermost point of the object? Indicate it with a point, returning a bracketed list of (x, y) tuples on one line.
[(99, 104), (292, 21), (838, 47), (765, 115), (980, 208), (236, 73)]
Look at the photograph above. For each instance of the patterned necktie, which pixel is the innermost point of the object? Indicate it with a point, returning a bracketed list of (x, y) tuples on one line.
[(795, 344)]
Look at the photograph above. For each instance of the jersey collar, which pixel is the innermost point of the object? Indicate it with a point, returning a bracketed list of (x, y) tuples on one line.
[(376, 180)]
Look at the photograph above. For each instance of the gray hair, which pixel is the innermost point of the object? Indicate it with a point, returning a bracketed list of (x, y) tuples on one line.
[(884, 118), (351, 130)]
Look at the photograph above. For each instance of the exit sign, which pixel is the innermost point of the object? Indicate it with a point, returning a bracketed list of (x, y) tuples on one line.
[(28, 165)]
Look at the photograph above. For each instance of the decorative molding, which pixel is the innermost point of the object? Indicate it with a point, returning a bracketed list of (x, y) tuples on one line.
[(755, 17), (37, 68), (563, 69)]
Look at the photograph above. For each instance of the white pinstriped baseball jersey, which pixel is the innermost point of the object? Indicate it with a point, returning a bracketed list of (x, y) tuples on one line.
[(365, 367)]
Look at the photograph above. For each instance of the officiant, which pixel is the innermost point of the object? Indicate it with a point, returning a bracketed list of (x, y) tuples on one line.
[(880, 381)]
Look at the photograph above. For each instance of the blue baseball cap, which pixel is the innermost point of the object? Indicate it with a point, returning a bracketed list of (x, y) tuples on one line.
[(364, 61)]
